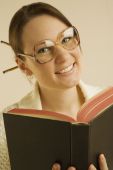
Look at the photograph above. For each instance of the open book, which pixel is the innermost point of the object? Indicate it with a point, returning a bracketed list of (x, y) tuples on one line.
[(37, 138)]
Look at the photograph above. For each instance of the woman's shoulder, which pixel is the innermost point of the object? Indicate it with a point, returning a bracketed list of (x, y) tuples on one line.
[(25, 100), (90, 90), (30, 100)]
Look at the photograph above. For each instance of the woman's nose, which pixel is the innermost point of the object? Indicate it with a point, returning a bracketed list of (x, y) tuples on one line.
[(61, 55)]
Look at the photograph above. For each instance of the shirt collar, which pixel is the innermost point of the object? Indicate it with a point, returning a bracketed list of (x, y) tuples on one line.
[(37, 99)]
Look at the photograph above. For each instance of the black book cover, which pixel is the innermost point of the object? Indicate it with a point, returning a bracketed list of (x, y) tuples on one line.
[(36, 143), (88, 142)]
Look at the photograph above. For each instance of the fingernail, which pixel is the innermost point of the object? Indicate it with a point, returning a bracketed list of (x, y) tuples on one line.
[(102, 157), (56, 167), (92, 167)]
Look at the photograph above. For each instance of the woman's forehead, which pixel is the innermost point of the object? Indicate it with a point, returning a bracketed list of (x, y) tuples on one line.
[(43, 27)]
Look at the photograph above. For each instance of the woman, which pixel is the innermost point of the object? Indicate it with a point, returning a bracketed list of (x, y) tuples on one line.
[(47, 46)]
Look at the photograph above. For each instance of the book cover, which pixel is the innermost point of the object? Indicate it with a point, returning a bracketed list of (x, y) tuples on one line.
[(37, 139)]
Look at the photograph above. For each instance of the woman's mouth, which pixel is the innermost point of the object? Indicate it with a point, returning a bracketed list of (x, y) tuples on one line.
[(66, 70)]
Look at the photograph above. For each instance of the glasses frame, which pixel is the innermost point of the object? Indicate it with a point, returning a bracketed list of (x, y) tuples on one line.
[(33, 57), (57, 42)]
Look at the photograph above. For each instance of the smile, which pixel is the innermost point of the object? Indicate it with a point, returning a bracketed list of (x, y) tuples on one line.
[(65, 70)]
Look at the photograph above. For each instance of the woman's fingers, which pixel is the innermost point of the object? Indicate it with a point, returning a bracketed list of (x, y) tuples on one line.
[(57, 166), (92, 167), (102, 162), (71, 168), (102, 165)]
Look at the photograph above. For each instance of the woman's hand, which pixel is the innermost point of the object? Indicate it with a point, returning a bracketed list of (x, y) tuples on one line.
[(102, 165)]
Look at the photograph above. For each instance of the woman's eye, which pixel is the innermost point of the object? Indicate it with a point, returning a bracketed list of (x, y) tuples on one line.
[(43, 50), (66, 40)]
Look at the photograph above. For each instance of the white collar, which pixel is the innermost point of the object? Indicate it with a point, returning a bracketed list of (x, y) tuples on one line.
[(33, 100)]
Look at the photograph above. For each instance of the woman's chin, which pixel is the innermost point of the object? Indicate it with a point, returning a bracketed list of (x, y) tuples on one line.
[(69, 79)]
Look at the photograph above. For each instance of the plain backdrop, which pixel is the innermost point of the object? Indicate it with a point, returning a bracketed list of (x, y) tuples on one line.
[(94, 21)]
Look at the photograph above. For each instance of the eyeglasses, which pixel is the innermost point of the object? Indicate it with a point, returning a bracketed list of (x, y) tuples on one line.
[(44, 50)]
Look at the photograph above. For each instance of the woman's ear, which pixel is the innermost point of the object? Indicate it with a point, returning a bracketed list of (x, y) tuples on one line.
[(21, 64)]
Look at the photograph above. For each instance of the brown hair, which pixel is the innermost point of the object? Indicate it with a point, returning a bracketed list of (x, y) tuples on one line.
[(24, 15)]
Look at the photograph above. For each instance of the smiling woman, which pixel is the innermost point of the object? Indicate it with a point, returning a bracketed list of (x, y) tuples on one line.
[(50, 57), (47, 46)]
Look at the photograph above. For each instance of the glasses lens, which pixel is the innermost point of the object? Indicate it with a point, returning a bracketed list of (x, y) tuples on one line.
[(69, 38), (43, 51)]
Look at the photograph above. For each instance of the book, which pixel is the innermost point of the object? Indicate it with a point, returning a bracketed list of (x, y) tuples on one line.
[(37, 138)]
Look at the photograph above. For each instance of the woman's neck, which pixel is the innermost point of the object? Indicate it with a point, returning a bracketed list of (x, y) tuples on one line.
[(62, 101)]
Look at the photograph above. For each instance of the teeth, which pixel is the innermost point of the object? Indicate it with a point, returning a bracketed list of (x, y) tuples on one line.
[(66, 69)]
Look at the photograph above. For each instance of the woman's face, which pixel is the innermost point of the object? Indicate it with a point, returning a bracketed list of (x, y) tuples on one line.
[(63, 71)]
